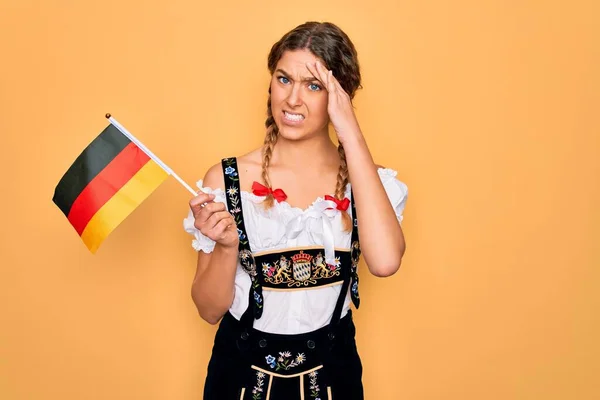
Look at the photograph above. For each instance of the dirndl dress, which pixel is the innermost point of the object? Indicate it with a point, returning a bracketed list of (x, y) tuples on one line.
[(324, 364)]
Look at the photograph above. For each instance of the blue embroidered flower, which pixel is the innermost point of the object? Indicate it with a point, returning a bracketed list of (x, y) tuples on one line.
[(355, 287), (257, 297), (230, 171), (270, 360), (241, 234)]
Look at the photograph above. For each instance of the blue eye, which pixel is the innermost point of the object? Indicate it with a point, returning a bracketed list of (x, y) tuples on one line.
[(314, 87), (283, 79)]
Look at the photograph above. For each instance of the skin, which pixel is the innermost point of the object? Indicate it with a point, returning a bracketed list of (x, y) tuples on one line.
[(300, 85)]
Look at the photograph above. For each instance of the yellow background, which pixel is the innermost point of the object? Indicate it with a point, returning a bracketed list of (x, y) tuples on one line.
[(489, 110)]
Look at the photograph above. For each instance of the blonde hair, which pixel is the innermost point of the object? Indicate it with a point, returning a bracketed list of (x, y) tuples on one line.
[(267, 152)]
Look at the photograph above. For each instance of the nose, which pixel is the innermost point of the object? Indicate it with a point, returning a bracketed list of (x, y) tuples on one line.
[(294, 98)]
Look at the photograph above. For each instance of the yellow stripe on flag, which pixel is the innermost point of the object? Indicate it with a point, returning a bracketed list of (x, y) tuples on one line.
[(115, 210)]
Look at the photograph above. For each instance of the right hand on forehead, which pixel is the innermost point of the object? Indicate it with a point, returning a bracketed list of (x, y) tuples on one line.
[(213, 220)]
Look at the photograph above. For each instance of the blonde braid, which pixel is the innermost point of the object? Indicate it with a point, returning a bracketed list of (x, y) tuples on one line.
[(340, 190), (269, 144)]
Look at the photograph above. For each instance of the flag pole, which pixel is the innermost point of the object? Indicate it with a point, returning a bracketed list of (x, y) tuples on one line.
[(149, 153)]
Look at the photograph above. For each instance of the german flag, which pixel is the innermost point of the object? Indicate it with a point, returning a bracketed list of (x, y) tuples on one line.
[(108, 180)]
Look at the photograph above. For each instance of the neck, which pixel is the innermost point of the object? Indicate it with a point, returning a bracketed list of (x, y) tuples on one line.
[(294, 153)]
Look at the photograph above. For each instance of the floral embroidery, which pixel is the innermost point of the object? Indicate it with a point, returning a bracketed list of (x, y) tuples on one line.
[(257, 297), (314, 386), (301, 269), (285, 360), (270, 360), (355, 255), (248, 263), (229, 170), (234, 204), (234, 197), (258, 388)]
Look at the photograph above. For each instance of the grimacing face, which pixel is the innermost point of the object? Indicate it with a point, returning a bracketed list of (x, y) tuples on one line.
[(298, 99)]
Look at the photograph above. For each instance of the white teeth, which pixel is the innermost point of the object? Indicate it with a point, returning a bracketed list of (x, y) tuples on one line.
[(293, 117)]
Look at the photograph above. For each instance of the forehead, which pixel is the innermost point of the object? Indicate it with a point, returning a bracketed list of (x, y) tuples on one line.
[(294, 62)]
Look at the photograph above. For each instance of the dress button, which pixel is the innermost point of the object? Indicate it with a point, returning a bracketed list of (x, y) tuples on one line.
[(244, 335), (262, 343), (331, 336), (310, 344)]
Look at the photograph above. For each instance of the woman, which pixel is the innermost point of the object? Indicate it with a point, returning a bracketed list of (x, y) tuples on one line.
[(277, 232)]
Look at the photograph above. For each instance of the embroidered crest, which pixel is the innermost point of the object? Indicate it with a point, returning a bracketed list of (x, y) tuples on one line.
[(324, 270), (301, 266), (279, 272)]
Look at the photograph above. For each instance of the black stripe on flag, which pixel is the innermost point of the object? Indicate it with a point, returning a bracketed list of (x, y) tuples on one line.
[(96, 156)]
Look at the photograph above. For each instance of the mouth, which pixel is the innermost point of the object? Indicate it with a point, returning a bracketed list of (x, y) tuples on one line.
[(291, 117)]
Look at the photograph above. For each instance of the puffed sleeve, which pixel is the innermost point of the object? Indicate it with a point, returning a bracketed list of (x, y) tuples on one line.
[(199, 241), (396, 190)]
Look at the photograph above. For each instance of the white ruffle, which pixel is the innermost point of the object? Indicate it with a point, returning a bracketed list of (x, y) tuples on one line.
[(285, 226), (201, 242), (396, 190)]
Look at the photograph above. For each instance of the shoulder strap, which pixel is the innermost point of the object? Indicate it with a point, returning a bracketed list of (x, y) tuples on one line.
[(350, 276), (234, 198), (234, 205), (354, 255)]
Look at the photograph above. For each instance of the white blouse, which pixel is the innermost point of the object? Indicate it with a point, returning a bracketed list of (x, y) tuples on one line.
[(286, 227)]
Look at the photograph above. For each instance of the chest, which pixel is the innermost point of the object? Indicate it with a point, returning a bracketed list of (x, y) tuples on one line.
[(304, 187)]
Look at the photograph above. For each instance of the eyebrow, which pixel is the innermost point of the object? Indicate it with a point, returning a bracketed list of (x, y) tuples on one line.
[(306, 79)]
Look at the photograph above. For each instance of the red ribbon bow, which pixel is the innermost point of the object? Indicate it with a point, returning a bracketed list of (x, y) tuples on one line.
[(342, 205), (261, 190)]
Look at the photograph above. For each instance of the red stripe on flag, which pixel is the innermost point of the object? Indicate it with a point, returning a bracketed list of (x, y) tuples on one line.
[(108, 182)]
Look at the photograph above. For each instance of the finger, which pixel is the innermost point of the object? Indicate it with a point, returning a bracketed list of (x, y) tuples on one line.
[(216, 217), (201, 197), (196, 203), (206, 222), (219, 230), (213, 207), (325, 73), (339, 88), (314, 70), (335, 82), (207, 211), (331, 82)]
